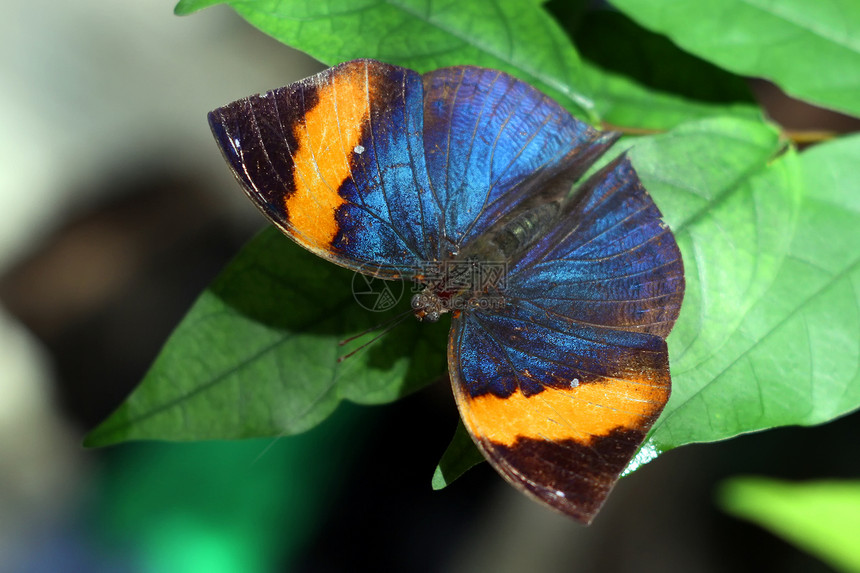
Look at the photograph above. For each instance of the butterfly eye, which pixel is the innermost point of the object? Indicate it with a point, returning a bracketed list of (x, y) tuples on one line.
[(427, 307)]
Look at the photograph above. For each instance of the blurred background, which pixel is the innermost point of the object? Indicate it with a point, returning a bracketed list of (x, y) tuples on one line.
[(117, 210)]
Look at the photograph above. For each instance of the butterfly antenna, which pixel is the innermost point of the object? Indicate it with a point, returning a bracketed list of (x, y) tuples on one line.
[(386, 327), (268, 447), (395, 319)]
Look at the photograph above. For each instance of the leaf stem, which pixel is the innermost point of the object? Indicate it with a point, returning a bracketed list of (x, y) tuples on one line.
[(796, 136), (808, 136), (630, 130)]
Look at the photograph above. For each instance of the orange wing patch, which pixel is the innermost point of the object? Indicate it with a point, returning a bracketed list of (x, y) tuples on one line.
[(579, 413), (328, 135), (566, 446)]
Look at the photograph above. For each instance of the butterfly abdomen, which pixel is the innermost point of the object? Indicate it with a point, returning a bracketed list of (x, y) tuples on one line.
[(522, 231), (514, 234)]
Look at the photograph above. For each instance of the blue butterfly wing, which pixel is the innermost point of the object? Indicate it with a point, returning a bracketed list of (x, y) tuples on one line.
[(557, 408), (372, 165), (487, 136), (559, 387), (379, 169), (336, 161), (610, 260)]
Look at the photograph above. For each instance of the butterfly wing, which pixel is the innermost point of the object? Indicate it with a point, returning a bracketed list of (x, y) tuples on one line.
[(487, 137), (560, 387), (371, 164), (558, 410), (367, 164), (337, 162), (610, 260)]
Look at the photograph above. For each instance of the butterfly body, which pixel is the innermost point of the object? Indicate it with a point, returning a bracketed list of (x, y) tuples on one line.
[(460, 179), (473, 282)]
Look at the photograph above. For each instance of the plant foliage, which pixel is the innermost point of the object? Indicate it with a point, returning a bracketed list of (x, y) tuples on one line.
[(769, 333)]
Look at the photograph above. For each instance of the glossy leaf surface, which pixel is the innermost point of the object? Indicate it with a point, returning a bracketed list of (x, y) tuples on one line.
[(516, 37), (810, 49), (257, 354)]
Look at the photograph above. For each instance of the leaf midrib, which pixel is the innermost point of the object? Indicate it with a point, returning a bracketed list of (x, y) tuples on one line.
[(177, 402)]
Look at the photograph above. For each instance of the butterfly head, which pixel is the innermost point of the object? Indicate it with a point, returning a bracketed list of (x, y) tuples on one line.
[(428, 306), (464, 287)]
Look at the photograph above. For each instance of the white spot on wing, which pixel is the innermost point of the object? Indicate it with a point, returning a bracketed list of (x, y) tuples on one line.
[(358, 149)]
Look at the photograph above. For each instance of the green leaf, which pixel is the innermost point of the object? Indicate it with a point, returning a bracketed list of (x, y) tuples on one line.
[(733, 211), (769, 334), (624, 103), (810, 49), (641, 80), (257, 354), (460, 456), (184, 7), (510, 35), (821, 517), (612, 41)]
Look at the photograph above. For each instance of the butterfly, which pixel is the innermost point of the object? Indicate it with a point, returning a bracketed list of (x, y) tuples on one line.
[(460, 179)]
